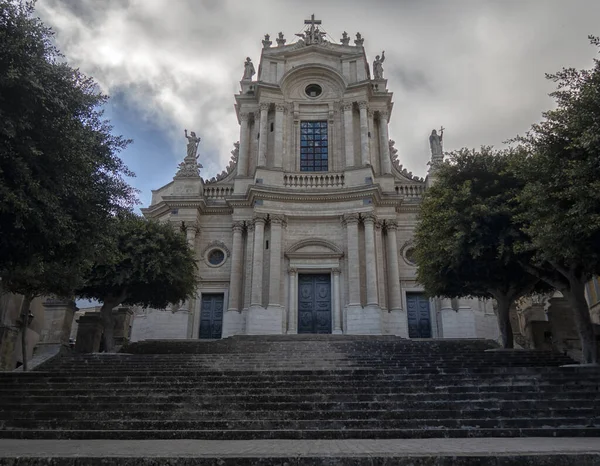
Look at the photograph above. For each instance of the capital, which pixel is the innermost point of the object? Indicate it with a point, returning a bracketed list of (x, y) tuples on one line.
[(347, 106), (383, 115), (280, 108), (259, 219), (264, 106), (336, 271), (391, 225), (370, 113), (244, 116), (292, 271), (369, 217), (348, 219), (363, 104), (277, 219), (237, 226)]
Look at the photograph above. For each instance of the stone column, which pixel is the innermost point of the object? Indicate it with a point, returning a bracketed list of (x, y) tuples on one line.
[(393, 269), (278, 150), (257, 269), (381, 272), (275, 262), (351, 223), (292, 301), (370, 262), (337, 308), (364, 134), (386, 163), (235, 277), (242, 164), (264, 136), (349, 134), (248, 264)]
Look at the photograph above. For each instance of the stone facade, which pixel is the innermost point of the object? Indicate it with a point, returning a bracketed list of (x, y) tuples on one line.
[(289, 210)]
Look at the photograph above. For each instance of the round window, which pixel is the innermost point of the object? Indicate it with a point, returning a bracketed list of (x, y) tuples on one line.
[(313, 90), (409, 255), (216, 257)]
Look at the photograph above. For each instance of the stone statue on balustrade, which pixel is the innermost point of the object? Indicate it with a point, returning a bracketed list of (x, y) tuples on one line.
[(378, 66), (190, 165), (249, 70)]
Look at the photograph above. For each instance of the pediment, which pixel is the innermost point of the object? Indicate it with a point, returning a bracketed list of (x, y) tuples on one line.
[(314, 247)]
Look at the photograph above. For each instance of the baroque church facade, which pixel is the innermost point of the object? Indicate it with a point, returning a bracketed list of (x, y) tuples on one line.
[(309, 229)]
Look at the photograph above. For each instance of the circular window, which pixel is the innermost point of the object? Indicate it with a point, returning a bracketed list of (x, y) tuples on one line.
[(216, 257), (313, 90), (409, 255)]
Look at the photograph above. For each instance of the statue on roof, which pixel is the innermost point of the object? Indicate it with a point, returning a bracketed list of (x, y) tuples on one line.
[(249, 70), (378, 66), (190, 166), (312, 35), (435, 143)]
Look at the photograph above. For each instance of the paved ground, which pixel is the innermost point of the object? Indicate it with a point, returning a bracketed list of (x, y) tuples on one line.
[(296, 448)]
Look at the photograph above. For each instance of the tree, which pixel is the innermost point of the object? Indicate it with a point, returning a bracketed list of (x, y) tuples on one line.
[(466, 232), (60, 177), (144, 263), (560, 204)]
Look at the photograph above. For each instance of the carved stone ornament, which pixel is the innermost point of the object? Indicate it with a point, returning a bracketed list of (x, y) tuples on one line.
[(190, 168), (369, 217), (359, 40), (345, 40), (267, 42), (280, 40), (235, 153), (312, 35), (292, 270)]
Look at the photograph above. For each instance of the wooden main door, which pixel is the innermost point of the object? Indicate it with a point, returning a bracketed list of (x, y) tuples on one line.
[(419, 317), (211, 316), (314, 303)]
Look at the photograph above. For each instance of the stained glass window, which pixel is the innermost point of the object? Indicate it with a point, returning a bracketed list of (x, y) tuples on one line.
[(314, 146)]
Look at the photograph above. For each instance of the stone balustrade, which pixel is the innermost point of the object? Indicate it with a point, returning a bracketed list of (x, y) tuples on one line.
[(217, 192), (411, 190), (313, 180)]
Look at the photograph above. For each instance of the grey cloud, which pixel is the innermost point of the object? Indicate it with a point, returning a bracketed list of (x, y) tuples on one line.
[(475, 66)]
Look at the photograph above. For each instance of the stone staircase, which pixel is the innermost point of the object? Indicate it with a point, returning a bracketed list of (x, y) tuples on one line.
[(303, 387)]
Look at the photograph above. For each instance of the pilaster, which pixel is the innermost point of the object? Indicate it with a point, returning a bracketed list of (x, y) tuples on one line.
[(257, 270), (336, 302), (292, 301), (371, 265), (235, 278), (349, 134), (386, 163), (242, 165), (280, 111), (263, 136), (350, 221), (364, 136)]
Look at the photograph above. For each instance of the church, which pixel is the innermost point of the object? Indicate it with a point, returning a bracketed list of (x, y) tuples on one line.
[(309, 229)]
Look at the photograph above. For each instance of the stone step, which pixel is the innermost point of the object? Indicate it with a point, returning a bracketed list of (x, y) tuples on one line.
[(124, 399), (295, 424), (330, 406), (302, 434), (270, 414), (308, 389), (355, 452)]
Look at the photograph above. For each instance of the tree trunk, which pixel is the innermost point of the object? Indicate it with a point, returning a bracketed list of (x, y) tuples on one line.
[(108, 323), (503, 316), (24, 325), (583, 321)]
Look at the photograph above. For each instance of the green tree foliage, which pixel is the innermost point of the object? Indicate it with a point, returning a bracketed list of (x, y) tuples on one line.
[(144, 263), (60, 177), (466, 232), (561, 200)]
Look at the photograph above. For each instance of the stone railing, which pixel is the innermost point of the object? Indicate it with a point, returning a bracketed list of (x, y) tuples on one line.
[(217, 192), (411, 190), (313, 180)]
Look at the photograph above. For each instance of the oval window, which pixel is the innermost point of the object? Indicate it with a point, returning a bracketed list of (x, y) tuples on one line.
[(313, 90)]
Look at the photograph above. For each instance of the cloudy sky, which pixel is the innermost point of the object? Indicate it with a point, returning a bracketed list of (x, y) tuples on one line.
[(474, 66)]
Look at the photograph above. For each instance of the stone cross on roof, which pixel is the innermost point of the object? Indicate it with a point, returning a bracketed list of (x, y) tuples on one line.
[(312, 21)]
